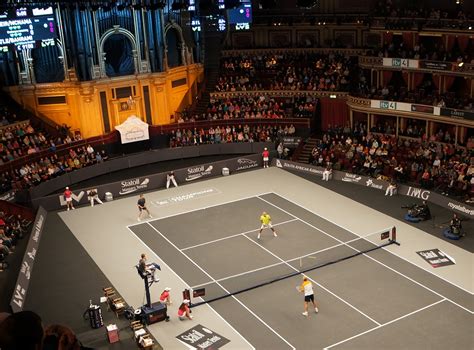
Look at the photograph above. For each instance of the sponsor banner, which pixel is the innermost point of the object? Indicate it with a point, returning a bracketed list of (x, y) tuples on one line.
[(422, 109), (435, 198), (200, 171), (348, 177), (306, 168), (391, 105), (155, 181), (456, 113), (133, 130), (436, 258), (134, 185), (414, 192), (23, 281), (435, 65), (291, 141), (8, 196), (200, 337), (185, 197), (400, 63)]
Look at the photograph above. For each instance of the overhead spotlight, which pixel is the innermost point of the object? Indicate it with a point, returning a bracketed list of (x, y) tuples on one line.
[(470, 28), (460, 64)]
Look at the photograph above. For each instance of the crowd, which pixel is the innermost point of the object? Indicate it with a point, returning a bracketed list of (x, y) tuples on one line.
[(12, 228), (227, 134), (432, 165), (48, 167), (287, 71), (434, 52)]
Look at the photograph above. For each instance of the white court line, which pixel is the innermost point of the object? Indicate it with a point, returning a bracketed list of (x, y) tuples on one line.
[(203, 208), (371, 258), (233, 296), (385, 324), (187, 285), (233, 236), (350, 231), (280, 263), (319, 284)]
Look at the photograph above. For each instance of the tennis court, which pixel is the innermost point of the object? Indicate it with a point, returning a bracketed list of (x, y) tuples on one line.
[(367, 301)]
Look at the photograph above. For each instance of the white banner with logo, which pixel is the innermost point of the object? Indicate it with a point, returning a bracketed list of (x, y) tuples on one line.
[(133, 130)]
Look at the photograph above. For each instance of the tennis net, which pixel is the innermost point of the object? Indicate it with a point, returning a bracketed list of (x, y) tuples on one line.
[(284, 269)]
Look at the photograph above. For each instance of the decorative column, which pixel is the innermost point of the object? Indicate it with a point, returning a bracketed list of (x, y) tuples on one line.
[(63, 43)]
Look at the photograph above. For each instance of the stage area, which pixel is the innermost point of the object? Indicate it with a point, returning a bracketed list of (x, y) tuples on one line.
[(204, 234)]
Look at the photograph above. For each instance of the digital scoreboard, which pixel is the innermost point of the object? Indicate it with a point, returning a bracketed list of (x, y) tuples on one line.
[(25, 27)]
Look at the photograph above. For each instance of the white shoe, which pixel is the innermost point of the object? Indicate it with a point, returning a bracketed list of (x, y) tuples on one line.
[(258, 237), (191, 317), (73, 208), (68, 209), (305, 313), (275, 234), (316, 310)]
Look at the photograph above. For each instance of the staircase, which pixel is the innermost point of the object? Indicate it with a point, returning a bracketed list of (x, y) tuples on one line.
[(212, 54), (305, 154)]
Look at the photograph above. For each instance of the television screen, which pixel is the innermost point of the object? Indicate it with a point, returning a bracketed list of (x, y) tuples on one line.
[(241, 14), (23, 28)]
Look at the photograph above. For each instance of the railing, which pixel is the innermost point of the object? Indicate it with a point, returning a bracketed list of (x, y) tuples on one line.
[(467, 69), (280, 93), (22, 123), (416, 24), (280, 51), (153, 131)]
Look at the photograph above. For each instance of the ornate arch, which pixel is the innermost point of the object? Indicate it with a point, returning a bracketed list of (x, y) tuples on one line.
[(116, 30), (182, 47)]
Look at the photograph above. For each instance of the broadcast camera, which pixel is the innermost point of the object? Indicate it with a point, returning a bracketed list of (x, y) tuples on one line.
[(417, 212)]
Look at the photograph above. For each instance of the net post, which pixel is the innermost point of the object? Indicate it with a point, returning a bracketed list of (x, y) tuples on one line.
[(393, 237)]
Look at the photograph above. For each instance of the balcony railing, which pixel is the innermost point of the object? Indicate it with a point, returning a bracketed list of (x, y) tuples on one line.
[(448, 68)]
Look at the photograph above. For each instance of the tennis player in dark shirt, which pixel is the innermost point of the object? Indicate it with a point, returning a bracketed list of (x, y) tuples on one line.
[(142, 207)]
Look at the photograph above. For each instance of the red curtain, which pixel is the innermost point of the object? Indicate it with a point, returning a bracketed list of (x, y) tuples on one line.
[(334, 112), (408, 40), (436, 81), (387, 38), (387, 75), (417, 79), (449, 80), (463, 40), (451, 41)]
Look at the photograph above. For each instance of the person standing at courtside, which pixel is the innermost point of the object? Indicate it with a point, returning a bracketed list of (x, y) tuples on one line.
[(307, 288)]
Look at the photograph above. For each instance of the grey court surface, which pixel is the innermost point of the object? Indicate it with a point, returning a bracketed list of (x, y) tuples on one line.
[(370, 301)]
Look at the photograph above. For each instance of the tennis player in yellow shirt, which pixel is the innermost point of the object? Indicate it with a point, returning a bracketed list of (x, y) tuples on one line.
[(266, 221)]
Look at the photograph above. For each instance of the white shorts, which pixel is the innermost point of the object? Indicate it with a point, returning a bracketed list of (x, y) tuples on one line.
[(69, 199), (265, 159), (266, 225)]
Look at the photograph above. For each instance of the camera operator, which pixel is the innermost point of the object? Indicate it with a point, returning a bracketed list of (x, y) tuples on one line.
[(455, 225), (424, 211)]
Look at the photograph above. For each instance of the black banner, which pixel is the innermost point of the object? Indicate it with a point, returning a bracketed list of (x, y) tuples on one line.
[(152, 182), (436, 65), (436, 258), (361, 180), (200, 337), (23, 281), (457, 113)]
